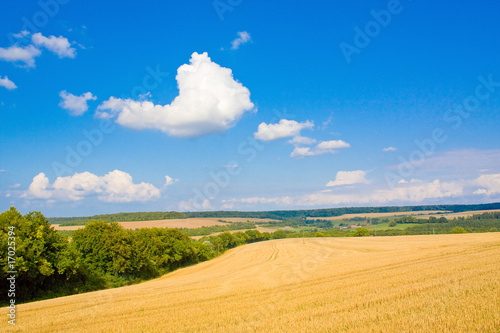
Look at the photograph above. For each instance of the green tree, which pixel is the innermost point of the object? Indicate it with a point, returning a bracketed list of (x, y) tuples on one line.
[(360, 232), (393, 224), (278, 234), (458, 230), (110, 250), (38, 256)]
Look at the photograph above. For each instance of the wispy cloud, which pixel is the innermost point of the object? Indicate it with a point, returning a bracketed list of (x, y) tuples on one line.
[(285, 128), (6, 83), (17, 54), (324, 147), (243, 38), (348, 178), (75, 105), (58, 45)]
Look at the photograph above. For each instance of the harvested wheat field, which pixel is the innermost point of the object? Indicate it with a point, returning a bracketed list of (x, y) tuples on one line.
[(189, 223), (378, 215), (442, 283)]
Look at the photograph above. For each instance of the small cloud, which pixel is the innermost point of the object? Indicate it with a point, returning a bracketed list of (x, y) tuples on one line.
[(490, 184), (349, 178), (324, 147), (389, 149), (480, 191), (302, 140), (333, 144), (58, 45), (327, 122), (22, 34), (76, 105), (285, 128), (3, 170), (169, 181), (302, 152), (15, 186), (230, 166), (6, 83), (8, 195), (243, 38), (16, 54), (191, 205)]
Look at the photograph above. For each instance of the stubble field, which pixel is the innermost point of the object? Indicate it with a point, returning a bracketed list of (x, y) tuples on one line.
[(442, 283), (189, 223)]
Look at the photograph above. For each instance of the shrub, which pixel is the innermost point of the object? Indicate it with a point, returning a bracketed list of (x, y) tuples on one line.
[(458, 230)]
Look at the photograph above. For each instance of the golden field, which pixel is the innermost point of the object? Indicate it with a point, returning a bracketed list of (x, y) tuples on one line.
[(379, 215), (442, 283), (189, 223)]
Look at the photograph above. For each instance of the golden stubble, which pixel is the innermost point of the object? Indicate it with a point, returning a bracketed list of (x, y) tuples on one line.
[(442, 283)]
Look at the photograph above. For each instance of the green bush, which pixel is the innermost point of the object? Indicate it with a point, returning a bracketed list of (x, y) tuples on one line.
[(458, 230), (361, 232)]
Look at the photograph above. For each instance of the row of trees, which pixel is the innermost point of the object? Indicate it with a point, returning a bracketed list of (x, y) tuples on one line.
[(203, 231), (101, 255), (118, 217)]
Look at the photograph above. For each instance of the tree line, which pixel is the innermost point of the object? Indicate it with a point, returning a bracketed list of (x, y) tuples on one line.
[(118, 217), (278, 215)]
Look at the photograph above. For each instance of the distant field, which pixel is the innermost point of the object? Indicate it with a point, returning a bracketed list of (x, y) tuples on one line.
[(174, 223), (261, 229), (442, 283), (466, 214), (377, 215)]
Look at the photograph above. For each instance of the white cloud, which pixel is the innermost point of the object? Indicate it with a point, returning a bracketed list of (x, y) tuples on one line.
[(243, 37), (116, 186), (231, 166), (191, 205), (169, 181), (324, 147), (209, 101), (6, 83), (302, 140), (76, 105), (332, 145), (490, 184), (58, 45), (283, 201), (401, 194), (27, 54), (16, 54), (22, 34), (15, 186), (285, 128), (302, 152), (389, 149), (349, 178)]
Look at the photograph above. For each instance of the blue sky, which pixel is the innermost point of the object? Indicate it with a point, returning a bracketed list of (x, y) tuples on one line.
[(247, 105)]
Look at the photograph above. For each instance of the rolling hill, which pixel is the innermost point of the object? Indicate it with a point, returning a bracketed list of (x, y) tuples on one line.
[(372, 284)]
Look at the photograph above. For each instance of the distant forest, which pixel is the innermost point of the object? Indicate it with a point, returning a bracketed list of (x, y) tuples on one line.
[(277, 215), (118, 217)]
